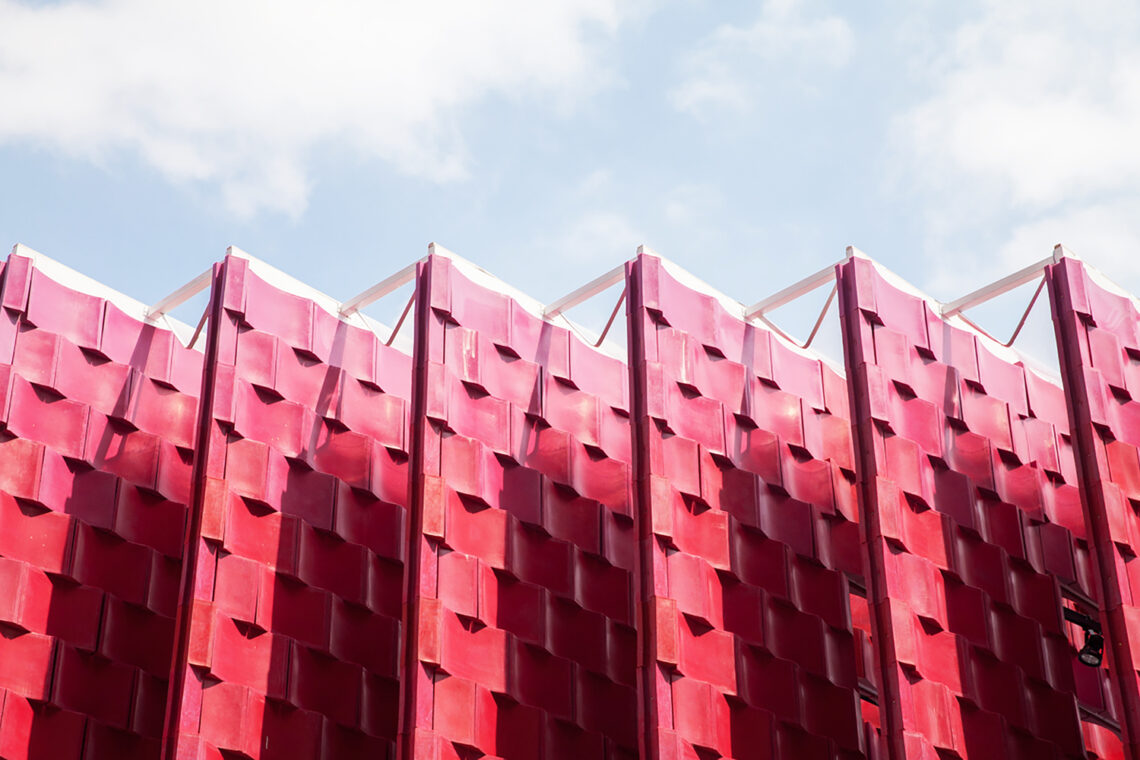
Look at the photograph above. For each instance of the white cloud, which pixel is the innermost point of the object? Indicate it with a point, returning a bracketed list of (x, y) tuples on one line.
[(237, 93), (596, 232), (585, 246), (1034, 104), (1107, 235), (1023, 137), (732, 68), (692, 204), (600, 237)]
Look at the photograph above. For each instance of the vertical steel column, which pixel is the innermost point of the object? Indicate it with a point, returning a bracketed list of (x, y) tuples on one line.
[(415, 544), (1072, 316), (184, 619), (644, 581), (858, 344)]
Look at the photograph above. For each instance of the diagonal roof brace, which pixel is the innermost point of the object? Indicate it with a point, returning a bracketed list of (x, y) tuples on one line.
[(985, 293), (380, 289), (812, 282), (1005, 284), (180, 296), (797, 289), (586, 292)]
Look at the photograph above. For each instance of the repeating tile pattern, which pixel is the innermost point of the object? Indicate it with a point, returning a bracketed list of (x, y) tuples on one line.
[(1098, 329), (749, 532), (97, 419), (292, 626), (305, 543), (974, 527), (524, 640)]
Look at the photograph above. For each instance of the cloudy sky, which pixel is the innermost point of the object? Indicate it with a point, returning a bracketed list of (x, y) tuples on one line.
[(750, 142)]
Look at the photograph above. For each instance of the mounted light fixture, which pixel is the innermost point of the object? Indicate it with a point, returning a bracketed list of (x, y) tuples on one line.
[(1092, 653)]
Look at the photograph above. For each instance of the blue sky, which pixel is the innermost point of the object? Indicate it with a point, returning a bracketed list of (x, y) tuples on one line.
[(747, 141)]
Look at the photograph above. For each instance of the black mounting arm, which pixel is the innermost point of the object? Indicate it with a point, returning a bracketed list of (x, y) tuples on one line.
[(1084, 621)]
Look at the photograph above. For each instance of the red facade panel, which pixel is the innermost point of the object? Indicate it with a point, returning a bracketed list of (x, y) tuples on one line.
[(523, 640), (514, 545), (97, 415), (1098, 333), (292, 616), (748, 534), (973, 527)]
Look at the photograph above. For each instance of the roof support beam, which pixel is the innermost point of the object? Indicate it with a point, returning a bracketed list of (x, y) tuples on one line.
[(587, 291), (180, 296), (797, 289), (1004, 285), (379, 290)]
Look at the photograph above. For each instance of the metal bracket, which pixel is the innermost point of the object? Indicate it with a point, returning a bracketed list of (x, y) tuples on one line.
[(812, 282), (791, 293), (386, 286), (587, 291), (379, 290), (800, 288), (1084, 621), (1004, 285), (180, 296)]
